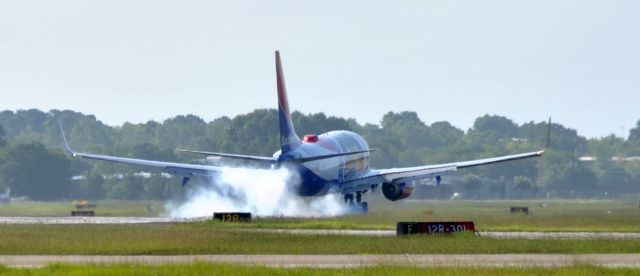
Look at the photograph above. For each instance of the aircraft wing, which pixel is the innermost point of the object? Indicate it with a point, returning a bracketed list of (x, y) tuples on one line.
[(180, 169), (374, 177), (492, 160)]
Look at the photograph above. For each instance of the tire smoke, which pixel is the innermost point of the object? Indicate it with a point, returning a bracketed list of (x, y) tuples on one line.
[(259, 191)]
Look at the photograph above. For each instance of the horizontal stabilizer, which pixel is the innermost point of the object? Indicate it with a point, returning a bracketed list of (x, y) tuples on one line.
[(263, 159), (320, 157)]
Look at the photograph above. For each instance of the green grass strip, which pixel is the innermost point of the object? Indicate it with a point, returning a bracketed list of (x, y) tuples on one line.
[(225, 269), (205, 238)]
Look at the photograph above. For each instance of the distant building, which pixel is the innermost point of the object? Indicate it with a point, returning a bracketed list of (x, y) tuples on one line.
[(615, 158)]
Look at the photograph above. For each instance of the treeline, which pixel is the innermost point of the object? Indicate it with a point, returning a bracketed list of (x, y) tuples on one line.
[(33, 163)]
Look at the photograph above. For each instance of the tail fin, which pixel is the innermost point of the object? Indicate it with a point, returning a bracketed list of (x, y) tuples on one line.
[(288, 137)]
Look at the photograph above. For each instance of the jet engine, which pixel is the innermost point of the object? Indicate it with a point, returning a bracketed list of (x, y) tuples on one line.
[(395, 191)]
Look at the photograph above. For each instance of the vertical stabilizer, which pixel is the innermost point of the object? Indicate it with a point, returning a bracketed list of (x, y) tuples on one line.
[(288, 137)]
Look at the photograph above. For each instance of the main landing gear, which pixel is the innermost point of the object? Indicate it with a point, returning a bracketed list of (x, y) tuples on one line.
[(358, 206)]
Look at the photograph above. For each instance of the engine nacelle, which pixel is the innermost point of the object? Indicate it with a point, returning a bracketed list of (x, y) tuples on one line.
[(396, 191)]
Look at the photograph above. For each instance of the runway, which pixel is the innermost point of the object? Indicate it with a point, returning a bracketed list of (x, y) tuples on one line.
[(161, 220), (441, 260), (447, 260), (94, 220)]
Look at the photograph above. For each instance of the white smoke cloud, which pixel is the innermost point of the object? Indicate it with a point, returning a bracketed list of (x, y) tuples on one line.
[(261, 192)]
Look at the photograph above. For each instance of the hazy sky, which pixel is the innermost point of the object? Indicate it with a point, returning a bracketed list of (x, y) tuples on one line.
[(577, 61)]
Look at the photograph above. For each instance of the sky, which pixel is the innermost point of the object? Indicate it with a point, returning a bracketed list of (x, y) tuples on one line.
[(134, 61)]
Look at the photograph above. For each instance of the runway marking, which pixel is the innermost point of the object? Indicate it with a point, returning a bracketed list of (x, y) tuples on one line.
[(441, 260), (491, 234), (561, 235), (346, 232)]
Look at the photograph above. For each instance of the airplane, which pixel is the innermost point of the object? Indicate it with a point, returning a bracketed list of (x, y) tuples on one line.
[(332, 162)]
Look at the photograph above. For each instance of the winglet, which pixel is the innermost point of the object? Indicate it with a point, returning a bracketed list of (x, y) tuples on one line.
[(66, 143), (548, 134)]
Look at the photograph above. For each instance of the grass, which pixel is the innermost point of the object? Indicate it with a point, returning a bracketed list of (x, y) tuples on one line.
[(64, 208), (217, 238), (557, 215), (227, 269), (212, 237)]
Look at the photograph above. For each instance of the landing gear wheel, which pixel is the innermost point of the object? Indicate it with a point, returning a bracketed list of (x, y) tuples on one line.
[(364, 207), (348, 199)]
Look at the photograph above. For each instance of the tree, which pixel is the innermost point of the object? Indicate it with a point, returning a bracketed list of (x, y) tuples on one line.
[(498, 126), (606, 147), (406, 136), (6, 120), (2, 141), (445, 134), (179, 131), (471, 183), (522, 183), (158, 187), (132, 134), (401, 139), (129, 187), (317, 123), (214, 131), (633, 142), (556, 170), (90, 186), (254, 133), (634, 133), (562, 138), (151, 152), (32, 170)]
